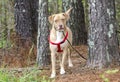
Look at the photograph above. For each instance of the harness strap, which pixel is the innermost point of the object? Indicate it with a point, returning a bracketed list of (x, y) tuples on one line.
[(59, 48), (59, 43)]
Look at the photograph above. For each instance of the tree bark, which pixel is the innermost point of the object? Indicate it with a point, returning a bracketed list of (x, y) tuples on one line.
[(77, 21), (34, 17), (23, 20), (42, 38), (26, 17), (103, 43)]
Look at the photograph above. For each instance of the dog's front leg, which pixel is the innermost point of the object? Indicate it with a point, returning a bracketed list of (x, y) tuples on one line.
[(62, 70), (69, 59), (53, 59)]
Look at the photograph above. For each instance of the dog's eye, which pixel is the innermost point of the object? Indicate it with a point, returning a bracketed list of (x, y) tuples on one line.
[(56, 20), (62, 19), (63, 14)]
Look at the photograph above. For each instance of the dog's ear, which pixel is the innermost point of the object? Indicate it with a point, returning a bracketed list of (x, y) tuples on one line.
[(67, 13), (51, 19)]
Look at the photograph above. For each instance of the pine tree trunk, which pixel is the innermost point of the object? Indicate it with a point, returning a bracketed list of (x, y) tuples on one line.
[(23, 20), (26, 17), (43, 30), (34, 17), (77, 21), (103, 43)]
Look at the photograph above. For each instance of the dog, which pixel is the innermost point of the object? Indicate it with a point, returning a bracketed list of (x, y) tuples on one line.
[(58, 40)]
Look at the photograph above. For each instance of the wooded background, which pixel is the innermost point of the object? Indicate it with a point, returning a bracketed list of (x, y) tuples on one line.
[(22, 32)]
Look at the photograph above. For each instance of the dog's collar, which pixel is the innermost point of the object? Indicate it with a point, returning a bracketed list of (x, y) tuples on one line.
[(59, 43)]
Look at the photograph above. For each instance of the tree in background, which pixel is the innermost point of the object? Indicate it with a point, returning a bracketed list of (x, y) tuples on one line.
[(54, 6), (6, 22), (77, 21), (103, 42), (43, 31), (26, 17), (118, 16)]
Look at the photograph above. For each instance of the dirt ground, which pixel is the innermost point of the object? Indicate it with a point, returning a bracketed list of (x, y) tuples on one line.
[(79, 73)]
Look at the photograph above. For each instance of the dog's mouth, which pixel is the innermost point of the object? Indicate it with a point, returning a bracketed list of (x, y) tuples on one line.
[(60, 27)]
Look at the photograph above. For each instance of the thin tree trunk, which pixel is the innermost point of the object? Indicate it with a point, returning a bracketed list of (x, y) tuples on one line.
[(103, 43), (42, 38), (34, 17), (77, 21)]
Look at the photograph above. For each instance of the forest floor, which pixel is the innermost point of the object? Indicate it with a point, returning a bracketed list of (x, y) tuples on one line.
[(78, 73)]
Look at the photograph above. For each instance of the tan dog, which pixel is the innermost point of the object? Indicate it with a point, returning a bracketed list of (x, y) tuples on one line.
[(58, 41)]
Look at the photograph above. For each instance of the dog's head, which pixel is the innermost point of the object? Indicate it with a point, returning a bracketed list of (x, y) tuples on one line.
[(59, 20)]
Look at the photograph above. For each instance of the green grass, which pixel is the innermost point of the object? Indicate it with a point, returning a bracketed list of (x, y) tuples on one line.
[(24, 76), (105, 79), (2, 44)]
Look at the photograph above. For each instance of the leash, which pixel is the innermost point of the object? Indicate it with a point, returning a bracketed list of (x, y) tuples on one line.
[(75, 49)]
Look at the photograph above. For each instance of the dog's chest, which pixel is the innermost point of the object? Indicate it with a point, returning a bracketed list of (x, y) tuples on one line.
[(59, 37)]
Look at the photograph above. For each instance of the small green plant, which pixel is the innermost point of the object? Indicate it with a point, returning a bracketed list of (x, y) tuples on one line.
[(24, 76), (5, 77), (2, 43), (105, 79)]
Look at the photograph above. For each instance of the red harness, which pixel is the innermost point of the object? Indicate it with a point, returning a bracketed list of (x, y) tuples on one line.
[(58, 44)]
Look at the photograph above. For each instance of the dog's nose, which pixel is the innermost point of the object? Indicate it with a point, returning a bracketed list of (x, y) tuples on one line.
[(60, 26)]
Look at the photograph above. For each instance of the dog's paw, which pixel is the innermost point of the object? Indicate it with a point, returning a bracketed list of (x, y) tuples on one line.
[(52, 75), (62, 71), (70, 65)]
